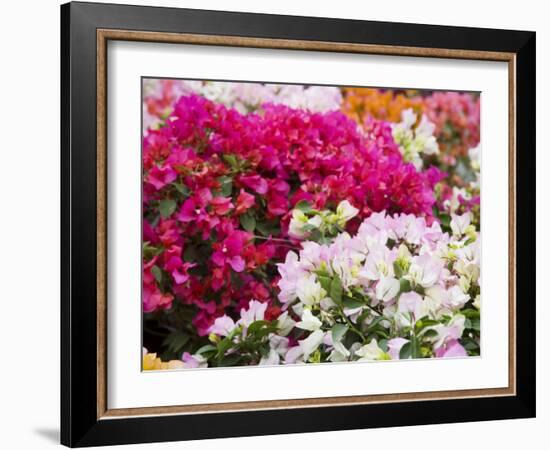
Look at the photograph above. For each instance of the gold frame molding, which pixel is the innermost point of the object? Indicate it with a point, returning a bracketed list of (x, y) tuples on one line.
[(105, 35)]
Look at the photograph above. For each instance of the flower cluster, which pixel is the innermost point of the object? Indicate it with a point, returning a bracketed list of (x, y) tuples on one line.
[(397, 289), (244, 97), (415, 141), (277, 229), (457, 122), (362, 103), (398, 282)]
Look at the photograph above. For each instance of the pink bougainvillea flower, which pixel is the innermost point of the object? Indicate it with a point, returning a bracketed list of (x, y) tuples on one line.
[(245, 201), (193, 361), (222, 326), (161, 176), (229, 252), (178, 269), (277, 205), (154, 299), (194, 208), (258, 255), (451, 349), (221, 205), (270, 158), (255, 182), (256, 311), (202, 322), (190, 211), (149, 234), (168, 233)]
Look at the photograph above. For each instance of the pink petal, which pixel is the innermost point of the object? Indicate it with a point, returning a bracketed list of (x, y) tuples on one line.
[(236, 263)]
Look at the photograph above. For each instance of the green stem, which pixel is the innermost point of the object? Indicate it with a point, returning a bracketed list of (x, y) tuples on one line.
[(350, 325)]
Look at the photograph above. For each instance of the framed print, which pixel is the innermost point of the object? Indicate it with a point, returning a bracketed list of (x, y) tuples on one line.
[(277, 224)]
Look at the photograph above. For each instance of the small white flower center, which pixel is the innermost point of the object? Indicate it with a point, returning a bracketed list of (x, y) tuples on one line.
[(197, 211)]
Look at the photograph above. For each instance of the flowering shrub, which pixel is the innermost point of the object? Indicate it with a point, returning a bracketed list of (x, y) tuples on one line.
[(278, 230)]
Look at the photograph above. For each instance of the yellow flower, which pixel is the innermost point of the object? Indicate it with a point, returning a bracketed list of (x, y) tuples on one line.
[(151, 362)]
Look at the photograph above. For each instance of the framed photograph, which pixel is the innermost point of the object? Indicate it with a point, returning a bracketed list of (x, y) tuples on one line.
[(276, 224)]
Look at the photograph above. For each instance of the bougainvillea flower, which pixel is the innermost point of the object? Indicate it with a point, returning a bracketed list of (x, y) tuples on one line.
[(193, 361), (245, 201), (191, 211), (221, 205), (255, 182), (194, 209), (452, 349), (229, 252), (222, 326), (161, 176), (256, 311), (154, 299), (178, 269)]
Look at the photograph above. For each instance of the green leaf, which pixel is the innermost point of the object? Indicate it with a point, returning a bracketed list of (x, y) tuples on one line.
[(205, 349), (336, 289), (264, 350), (182, 189), (470, 344), (304, 206), (383, 344), (176, 341), (268, 228), (167, 207), (406, 351), (248, 222), (375, 322), (352, 303), (226, 185), (425, 322), (230, 360), (338, 331), (157, 273), (445, 220), (470, 313), (257, 326), (149, 251), (366, 313), (404, 285), (415, 348), (316, 236), (325, 282), (431, 333), (231, 160), (224, 345)]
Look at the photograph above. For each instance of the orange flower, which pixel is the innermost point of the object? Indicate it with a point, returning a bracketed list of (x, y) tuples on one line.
[(360, 103)]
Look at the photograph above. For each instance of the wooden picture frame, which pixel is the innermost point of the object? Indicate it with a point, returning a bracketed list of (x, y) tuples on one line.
[(86, 418)]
